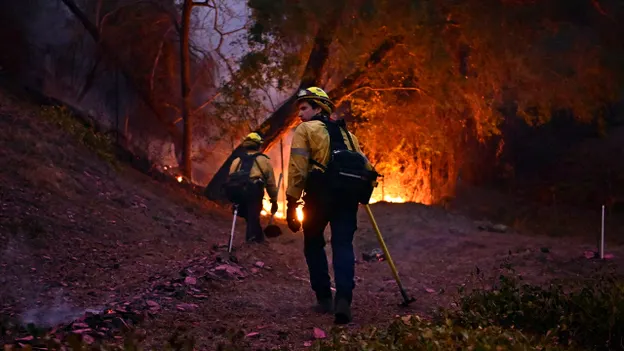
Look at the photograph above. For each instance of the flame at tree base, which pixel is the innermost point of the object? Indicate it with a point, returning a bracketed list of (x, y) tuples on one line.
[(266, 204), (376, 197), (388, 198)]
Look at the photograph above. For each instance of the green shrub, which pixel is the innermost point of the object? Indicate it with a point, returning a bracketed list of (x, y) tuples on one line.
[(103, 145), (415, 333), (591, 313)]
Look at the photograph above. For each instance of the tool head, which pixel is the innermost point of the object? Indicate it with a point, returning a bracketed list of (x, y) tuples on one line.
[(272, 231), (407, 301)]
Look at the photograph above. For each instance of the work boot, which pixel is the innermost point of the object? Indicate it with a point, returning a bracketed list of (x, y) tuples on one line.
[(343, 312), (324, 306)]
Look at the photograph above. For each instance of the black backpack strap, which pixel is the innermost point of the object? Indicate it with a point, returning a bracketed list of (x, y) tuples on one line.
[(256, 161), (246, 163), (336, 141), (343, 125)]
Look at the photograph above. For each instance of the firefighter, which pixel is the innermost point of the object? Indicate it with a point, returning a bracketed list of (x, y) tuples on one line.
[(261, 177), (309, 155)]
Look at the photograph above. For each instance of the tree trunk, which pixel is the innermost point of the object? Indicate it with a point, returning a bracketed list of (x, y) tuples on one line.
[(106, 49), (281, 120), (90, 78), (353, 80), (185, 81)]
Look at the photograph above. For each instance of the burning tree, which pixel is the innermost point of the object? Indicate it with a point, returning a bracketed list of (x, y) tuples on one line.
[(428, 108)]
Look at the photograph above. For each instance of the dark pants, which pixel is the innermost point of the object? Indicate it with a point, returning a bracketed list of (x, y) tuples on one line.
[(342, 219), (250, 210), (252, 217)]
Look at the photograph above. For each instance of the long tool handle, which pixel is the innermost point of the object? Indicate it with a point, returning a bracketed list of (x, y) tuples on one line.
[(232, 232), (279, 182), (406, 299), (602, 234)]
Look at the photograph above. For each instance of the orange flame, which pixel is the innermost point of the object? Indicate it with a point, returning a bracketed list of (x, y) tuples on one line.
[(266, 204), (376, 197), (387, 198)]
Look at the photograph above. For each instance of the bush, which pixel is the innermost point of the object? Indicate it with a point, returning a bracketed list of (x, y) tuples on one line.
[(590, 314), (103, 145), (415, 333)]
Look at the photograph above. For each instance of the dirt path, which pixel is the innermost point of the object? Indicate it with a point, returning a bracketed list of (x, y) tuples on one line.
[(77, 236)]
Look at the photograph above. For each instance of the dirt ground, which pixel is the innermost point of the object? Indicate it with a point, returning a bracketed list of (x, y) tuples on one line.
[(77, 236)]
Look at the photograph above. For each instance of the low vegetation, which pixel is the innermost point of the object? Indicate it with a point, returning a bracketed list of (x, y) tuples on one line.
[(100, 143), (512, 315)]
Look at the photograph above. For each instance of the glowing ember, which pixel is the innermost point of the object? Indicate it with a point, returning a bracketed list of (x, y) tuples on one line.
[(266, 209), (266, 206), (387, 198), (179, 178), (377, 197)]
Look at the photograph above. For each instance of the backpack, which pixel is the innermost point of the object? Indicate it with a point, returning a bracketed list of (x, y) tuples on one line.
[(239, 187), (346, 175)]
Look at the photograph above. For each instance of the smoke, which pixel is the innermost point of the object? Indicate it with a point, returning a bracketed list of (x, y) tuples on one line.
[(58, 312), (39, 305)]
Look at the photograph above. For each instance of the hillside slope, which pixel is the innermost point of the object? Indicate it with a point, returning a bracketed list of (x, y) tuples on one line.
[(86, 248)]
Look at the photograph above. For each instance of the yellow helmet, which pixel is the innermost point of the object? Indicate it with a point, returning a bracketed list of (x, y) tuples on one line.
[(254, 137), (318, 96)]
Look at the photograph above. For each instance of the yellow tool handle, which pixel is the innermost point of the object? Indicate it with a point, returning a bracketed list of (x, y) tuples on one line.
[(384, 247)]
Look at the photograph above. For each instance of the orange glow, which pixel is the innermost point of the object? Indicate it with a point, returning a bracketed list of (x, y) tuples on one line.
[(376, 197), (179, 178), (387, 198), (266, 210)]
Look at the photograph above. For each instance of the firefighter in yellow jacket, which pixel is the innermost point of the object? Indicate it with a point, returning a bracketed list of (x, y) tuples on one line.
[(309, 155), (261, 177)]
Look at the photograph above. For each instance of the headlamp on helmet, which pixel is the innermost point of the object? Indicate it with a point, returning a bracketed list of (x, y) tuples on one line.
[(317, 95)]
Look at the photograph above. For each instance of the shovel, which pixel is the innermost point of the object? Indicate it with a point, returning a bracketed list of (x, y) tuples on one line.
[(271, 230), (406, 299)]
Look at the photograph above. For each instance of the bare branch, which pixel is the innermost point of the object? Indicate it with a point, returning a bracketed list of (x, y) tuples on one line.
[(173, 107), (173, 19), (204, 3), (98, 9), (600, 10), (160, 47), (125, 70), (121, 7), (345, 97), (90, 77), (266, 92), (236, 30), (208, 102), (221, 38)]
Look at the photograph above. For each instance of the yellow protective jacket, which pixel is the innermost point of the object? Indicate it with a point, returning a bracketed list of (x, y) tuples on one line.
[(311, 141), (261, 169)]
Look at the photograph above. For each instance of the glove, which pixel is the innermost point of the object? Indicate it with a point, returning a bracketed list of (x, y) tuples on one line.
[(291, 215), (273, 207)]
